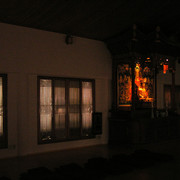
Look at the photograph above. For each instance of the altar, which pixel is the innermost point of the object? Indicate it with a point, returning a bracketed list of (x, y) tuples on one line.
[(140, 113)]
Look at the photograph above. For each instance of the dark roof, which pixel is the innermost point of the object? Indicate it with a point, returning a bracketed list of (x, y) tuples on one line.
[(94, 19)]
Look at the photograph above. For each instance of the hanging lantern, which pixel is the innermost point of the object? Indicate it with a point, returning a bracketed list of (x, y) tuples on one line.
[(165, 66)]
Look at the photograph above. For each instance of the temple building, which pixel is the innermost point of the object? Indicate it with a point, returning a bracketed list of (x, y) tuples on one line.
[(86, 74)]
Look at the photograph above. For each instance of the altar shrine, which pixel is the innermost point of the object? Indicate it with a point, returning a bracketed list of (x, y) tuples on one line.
[(138, 62)]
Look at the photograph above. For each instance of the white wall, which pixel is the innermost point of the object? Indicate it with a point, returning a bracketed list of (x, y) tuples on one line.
[(177, 73), (26, 53)]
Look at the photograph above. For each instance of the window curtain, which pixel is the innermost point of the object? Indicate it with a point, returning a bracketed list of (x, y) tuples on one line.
[(1, 108), (65, 116), (87, 108), (46, 108), (74, 106), (60, 111)]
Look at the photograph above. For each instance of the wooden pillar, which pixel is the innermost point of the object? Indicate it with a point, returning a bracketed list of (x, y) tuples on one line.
[(133, 88), (173, 91), (155, 72), (155, 89), (114, 85)]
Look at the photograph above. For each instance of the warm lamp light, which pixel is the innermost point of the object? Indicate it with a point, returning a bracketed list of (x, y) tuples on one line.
[(165, 68), (141, 83)]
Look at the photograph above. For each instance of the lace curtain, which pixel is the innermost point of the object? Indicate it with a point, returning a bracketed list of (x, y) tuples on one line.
[(61, 126), (60, 111), (74, 106), (45, 106), (87, 107), (1, 108)]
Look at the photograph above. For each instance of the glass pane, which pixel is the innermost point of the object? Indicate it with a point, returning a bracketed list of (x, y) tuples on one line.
[(59, 95), (1, 107), (87, 108), (45, 109), (124, 85), (143, 84), (74, 105)]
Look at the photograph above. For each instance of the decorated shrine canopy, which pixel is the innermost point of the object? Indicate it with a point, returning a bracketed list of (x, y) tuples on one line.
[(135, 41)]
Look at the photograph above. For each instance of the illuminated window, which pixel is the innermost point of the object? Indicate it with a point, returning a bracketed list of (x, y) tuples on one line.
[(143, 83), (65, 109), (3, 111), (124, 85)]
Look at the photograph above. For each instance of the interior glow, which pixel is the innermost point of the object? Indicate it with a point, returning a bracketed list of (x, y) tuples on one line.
[(126, 105), (124, 85), (87, 108), (142, 82), (45, 108), (1, 108), (165, 68)]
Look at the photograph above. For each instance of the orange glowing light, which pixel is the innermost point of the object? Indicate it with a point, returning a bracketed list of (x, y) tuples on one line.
[(126, 105), (124, 86), (165, 68), (141, 82)]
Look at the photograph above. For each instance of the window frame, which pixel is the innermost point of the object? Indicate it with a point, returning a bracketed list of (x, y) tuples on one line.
[(4, 138), (67, 80)]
